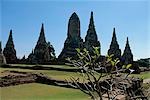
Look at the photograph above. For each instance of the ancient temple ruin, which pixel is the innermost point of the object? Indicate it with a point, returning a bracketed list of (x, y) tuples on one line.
[(91, 39), (42, 52), (73, 40), (127, 57), (9, 50), (114, 47)]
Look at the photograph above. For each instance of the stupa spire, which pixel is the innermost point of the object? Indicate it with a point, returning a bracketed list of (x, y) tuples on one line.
[(127, 54), (114, 38), (9, 50), (114, 46), (91, 25), (42, 35), (91, 37)]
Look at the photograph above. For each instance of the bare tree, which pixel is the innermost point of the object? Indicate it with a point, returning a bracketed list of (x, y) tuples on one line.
[(101, 85)]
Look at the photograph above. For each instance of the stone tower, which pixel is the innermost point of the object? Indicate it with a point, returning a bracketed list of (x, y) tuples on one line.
[(9, 50), (73, 40), (91, 37), (114, 47), (2, 57), (31, 58), (41, 50), (127, 56)]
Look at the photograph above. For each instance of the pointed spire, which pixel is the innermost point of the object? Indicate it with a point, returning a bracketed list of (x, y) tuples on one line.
[(127, 47), (91, 29), (114, 38), (42, 35), (127, 54), (10, 35), (114, 46), (42, 28), (91, 25), (91, 38), (127, 43), (9, 50), (41, 52), (10, 40)]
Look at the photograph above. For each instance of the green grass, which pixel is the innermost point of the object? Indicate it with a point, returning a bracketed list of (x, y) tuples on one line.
[(36, 91), (61, 75), (66, 75), (143, 75), (55, 66), (50, 73), (22, 65)]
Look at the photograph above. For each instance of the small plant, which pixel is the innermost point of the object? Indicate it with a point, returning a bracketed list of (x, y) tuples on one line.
[(97, 84)]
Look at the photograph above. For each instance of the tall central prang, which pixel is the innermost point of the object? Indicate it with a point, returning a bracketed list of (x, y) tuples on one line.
[(73, 40)]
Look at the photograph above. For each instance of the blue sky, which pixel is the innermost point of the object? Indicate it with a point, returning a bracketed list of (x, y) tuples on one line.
[(130, 18)]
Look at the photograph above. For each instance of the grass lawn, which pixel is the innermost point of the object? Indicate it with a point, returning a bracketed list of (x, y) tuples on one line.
[(62, 75), (55, 66), (143, 75), (50, 73), (35, 91)]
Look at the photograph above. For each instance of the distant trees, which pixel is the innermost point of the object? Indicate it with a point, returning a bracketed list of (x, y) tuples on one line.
[(144, 62)]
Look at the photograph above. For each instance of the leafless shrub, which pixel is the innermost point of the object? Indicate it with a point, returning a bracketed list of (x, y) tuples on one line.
[(111, 85)]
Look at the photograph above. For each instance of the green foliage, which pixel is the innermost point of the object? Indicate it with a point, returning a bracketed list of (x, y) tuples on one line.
[(127, 66), (144, 62), (96, 51)]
